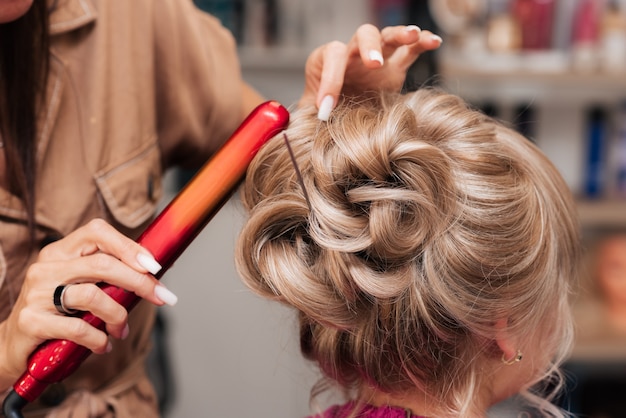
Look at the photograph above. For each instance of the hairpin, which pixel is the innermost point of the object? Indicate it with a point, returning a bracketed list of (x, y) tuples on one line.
[(298, 173)]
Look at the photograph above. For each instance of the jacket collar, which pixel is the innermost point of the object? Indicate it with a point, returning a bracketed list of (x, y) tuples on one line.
[(68, 15)]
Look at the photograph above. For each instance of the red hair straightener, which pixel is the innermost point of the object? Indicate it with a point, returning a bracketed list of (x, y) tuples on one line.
[(166, 238)]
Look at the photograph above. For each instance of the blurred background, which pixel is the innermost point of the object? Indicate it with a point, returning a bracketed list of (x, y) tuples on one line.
[(553, 69)]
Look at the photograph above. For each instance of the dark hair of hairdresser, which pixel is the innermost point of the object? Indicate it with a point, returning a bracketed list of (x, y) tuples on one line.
[(424, 246), (24, 59)]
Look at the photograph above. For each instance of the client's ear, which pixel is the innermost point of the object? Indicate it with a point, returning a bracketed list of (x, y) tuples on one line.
[(508, 345)]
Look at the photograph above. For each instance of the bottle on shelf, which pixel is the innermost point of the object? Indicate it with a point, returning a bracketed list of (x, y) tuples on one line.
[(526, 120), (618, 153), (596, 142), (536, 19), (613, 39), (504, 34), (584, 48)]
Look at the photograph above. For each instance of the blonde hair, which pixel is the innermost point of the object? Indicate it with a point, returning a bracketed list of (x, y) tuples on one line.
[(427, 222)]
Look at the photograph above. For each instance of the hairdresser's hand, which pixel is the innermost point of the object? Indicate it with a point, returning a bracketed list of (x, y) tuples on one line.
[(372, 60), (93, 253)]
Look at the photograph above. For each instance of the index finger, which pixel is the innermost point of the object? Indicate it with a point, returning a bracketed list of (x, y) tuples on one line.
[(99, 236)]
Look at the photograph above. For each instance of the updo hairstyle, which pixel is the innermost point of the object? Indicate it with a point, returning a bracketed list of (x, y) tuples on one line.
[(421, 222)]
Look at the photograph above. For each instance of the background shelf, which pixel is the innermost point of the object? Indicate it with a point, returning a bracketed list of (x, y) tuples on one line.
[(602, 213), (545, 78)]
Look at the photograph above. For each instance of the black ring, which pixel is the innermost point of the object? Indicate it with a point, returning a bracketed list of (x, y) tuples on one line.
[(58, 301)]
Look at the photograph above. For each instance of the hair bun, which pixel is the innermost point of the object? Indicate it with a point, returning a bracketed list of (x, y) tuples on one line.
[(378, 193)]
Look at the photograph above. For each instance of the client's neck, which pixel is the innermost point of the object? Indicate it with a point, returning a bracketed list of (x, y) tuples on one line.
[(417, 402)]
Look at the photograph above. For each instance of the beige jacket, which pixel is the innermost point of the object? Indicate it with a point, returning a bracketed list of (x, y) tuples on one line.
[(135, 86)]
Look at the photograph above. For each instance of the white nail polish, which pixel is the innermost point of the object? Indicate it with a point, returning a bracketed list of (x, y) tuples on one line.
[(165, 295), (125, 332), (149, 263), (410, 28), (325, 108), (376, 56), (436, 38)]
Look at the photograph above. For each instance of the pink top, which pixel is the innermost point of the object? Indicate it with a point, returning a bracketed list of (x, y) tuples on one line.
[(367, 411)]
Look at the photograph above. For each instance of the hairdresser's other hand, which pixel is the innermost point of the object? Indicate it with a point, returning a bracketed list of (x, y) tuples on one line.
[(93, 253), (372, 60)]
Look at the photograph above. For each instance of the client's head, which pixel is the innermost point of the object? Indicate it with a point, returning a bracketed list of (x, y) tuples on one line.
[(425, 247)]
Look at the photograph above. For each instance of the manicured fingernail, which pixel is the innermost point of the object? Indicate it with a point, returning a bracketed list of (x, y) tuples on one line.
[(148, 262), (125, 332), (436, 38), (376, 56), (325, 108), (109, 347), (410, 28), (165, 295)]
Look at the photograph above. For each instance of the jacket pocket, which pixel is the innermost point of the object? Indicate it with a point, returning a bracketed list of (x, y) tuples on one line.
[(132, 190)]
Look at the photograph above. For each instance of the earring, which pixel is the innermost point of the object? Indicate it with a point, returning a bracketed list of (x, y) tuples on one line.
[(515, 359)]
